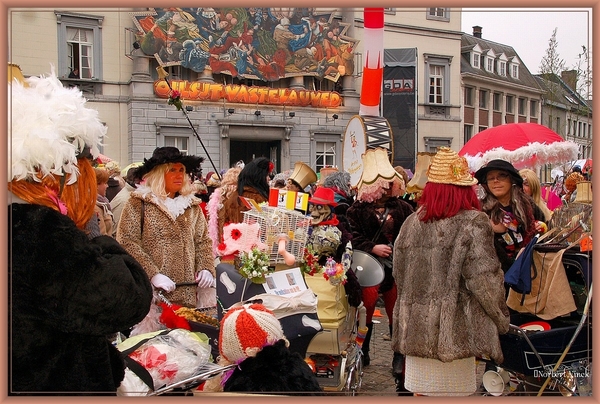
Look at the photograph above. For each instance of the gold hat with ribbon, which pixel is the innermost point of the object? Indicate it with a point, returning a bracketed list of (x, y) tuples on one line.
[(447, 167)]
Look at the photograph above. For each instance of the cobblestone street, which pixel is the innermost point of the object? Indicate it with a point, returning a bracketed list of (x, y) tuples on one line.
[(377, 378)]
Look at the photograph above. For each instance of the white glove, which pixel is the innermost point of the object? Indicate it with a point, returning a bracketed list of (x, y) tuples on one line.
[(161, 281), (205, 279)]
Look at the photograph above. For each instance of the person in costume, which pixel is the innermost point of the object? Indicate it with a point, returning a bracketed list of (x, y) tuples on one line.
[(450, 307), (215, 203), (513, 214), (252, 337), (118, 202), (300, 178), (163, 227), (330, 237), (102, 210), (69, 292), (252, 183), (533, 188), (376, 217)]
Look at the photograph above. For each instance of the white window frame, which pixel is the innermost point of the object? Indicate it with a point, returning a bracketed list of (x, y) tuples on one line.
[(502, 68), (318, 141), (177, 136), (476, 60), (438, 13), (90, 23), (514, 71), (489, 64), (443, 62)]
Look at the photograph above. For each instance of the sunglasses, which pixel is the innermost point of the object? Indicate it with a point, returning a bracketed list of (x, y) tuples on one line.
[(499, 177)]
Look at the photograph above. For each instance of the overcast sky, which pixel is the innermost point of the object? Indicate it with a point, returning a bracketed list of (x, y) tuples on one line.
[(528, 32)]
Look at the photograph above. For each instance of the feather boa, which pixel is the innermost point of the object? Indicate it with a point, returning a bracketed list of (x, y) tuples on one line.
[(213, 206), (175, 206), (50, 126)]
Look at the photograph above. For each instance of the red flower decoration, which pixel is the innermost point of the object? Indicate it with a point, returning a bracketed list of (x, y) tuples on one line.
[(221, 246), (236, 234)]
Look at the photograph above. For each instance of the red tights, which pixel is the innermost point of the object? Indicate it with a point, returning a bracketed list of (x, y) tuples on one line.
[(370, 296)]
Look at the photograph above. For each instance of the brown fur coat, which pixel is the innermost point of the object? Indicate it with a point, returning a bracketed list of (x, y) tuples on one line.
[(450, 289)]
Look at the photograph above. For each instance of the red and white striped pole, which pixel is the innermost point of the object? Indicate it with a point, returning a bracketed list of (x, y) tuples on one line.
[(372, 76)]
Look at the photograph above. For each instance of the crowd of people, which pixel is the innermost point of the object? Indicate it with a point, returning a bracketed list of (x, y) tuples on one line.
[(85, 261)]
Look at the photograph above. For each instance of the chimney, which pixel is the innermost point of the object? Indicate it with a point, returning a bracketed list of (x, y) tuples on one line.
[(477, 31), (570, 78)]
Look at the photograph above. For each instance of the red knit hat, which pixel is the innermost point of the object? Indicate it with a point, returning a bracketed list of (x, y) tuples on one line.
[(245, 330)]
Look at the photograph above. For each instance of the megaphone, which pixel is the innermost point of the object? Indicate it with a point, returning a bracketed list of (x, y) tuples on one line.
[(367, 268), (494, 382)]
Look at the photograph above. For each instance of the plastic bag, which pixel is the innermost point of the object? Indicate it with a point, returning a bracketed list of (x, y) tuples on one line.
[(168, 356)]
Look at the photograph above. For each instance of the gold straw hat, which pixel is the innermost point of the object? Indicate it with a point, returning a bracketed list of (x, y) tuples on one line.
[(447, 167)]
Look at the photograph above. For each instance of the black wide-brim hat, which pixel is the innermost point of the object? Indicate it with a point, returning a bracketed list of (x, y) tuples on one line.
[(168, 154), (498, 164)]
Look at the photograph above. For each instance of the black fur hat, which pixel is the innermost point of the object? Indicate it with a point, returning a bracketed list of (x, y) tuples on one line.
[(168, 154)]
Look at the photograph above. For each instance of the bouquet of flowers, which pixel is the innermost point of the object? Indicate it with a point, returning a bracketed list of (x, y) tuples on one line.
[(254, 265), (175, 99), (334, 272), (310, 265)]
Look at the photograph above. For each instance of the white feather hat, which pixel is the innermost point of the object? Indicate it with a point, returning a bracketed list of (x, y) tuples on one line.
[(49, 127)]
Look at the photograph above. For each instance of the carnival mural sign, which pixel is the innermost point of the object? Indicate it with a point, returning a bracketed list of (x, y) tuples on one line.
[(257, 43)]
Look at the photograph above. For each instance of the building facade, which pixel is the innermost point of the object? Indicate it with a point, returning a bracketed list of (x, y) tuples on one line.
[(497, 87), (120, 79), (565, 111), (448, 85)]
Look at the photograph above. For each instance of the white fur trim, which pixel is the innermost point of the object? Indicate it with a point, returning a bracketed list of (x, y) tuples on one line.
[(531, 156), (175, 206)]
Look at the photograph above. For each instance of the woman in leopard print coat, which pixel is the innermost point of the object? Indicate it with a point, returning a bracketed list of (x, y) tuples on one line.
[(167, 233)]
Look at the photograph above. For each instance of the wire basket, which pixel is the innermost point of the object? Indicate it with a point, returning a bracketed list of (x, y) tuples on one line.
[(275, 222)]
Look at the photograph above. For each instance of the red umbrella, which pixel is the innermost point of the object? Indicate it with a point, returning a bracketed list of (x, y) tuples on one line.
[(522, 144)]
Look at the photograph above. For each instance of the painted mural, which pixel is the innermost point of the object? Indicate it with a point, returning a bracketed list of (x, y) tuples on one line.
[(258, 43)]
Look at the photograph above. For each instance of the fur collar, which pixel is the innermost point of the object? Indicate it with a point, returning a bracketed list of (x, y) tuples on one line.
[(175, 206)]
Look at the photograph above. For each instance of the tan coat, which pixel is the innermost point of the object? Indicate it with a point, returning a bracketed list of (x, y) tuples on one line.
[(105, 218), (177, 247)]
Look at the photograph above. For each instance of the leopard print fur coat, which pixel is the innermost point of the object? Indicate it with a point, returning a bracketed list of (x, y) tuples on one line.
[(174, 240)]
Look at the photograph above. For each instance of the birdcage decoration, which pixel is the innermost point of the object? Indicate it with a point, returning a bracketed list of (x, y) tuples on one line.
[(276, 223)]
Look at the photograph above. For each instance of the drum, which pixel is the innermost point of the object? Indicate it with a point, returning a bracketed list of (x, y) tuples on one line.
[(367, 268), (362, 133)]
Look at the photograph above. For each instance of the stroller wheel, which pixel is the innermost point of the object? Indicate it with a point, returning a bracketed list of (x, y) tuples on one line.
[(355, 374)]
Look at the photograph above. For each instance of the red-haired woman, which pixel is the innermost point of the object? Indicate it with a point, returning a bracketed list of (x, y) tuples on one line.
[(450, 307), (69, 289)]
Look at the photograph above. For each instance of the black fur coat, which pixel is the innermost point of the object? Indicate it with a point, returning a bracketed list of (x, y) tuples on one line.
[(275, 369), (68, 293)]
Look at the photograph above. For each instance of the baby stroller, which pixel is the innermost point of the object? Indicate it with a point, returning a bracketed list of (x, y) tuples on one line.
[(543, 353), (334, 354)]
